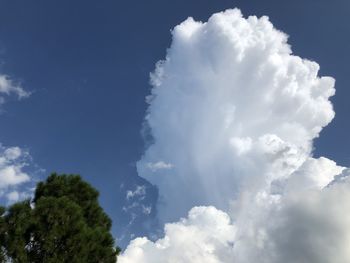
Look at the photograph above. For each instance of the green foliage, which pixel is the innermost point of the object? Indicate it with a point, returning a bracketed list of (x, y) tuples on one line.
[(2, 234), (73, 187), (18, 226), (65, 223)]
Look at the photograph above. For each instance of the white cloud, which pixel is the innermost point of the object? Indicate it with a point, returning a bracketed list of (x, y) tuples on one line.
[(206, 235), (137, 204), (12, 175), (12, 162), (7, 87), (314, 173), (13, 153), (13, 196), (235, 113), (12, 159), (159, 166), (139, 192), (146, 209), (313, 227), (17, 195), (230, 105), (310, 226)]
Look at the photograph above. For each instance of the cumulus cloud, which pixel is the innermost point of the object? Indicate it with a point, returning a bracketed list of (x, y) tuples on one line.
[(312, 226), (230, 106), (235, 113), (13, 160), (13, 163), (206, 235)]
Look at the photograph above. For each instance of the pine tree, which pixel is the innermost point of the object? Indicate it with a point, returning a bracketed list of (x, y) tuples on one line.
[(64, 223)]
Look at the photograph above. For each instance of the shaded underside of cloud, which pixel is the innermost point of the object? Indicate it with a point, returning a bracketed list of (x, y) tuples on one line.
[(309, 227), (233, 114)]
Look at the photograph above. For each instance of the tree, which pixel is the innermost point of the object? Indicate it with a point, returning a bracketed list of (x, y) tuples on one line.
[(2, 235), (17, 236), (64, 223)]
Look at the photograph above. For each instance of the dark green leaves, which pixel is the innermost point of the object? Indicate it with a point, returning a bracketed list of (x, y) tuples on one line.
[(65, 223)]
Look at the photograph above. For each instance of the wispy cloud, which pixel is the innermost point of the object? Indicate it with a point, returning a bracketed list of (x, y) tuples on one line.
[(139, 192), (8, 87), (159, 166)]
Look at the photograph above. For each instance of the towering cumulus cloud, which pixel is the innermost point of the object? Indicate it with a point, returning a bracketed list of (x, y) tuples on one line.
[(233, 114)]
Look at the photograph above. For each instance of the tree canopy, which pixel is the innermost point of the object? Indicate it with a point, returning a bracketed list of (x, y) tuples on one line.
[(63, 223)]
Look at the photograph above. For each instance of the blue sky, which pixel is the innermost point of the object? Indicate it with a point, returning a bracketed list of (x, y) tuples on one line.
[(87, 64)]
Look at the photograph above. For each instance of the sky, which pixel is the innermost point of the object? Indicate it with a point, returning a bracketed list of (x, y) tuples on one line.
[(79, 75)]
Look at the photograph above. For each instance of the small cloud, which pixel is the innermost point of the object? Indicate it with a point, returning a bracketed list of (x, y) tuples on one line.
[(128, 208), (140, 192), (8, 87), (159, 166), (12, 162), (15, 181), (13, 153), (146, 209)]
